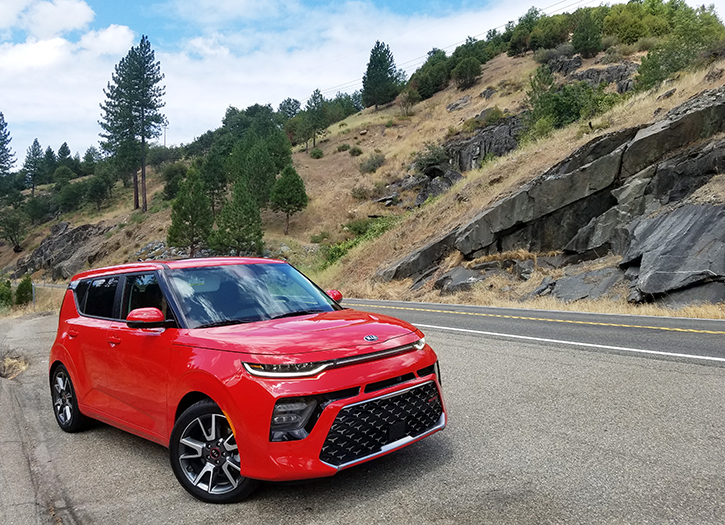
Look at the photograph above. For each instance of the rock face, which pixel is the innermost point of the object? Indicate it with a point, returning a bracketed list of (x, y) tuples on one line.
[(614, 73), (622, 192), (565, 65), (497, 140), (65, 251)]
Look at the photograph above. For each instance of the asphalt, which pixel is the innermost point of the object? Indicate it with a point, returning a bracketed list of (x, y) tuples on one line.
[(538, 433)]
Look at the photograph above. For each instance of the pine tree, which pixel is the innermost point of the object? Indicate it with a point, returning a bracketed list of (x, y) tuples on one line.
[(215, 178), (34, 166), (50, 164), (288, 194), (12, 227), (7, 157), (315, 112), (259, 172), (64, 156), (191, 217), (131, 112), (587, 37), (382, 81), (240, 224)]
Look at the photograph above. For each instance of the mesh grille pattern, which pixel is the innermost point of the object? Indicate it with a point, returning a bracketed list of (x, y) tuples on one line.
[(364, 429)]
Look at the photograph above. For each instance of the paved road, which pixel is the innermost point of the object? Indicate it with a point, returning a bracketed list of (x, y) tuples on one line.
[(538, 433)]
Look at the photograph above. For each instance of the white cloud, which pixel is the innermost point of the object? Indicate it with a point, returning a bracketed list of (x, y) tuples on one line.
[(49, 19), (55, 85)]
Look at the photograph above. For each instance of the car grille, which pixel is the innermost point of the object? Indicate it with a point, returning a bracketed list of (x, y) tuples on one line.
[(365, 428)]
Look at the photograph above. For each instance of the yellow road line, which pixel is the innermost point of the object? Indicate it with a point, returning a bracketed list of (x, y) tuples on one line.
[(690, 330)]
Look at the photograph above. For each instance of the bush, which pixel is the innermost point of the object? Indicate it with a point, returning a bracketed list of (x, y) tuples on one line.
[(322, 236), (316, 153), (6, 295), (609, 41), (343, 147), (360, 193), (466, 72), (542, 56), (355, 151), (372, 163), (24, 293), (375, 228), (432, 155), (612, 56)]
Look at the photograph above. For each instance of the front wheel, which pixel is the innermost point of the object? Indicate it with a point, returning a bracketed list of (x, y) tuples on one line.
[(205, 458)]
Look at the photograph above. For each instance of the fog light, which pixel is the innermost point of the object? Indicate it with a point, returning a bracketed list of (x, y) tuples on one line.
[(290, 418)]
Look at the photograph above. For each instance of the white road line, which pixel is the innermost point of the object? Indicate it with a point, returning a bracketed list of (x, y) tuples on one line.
[(573, 343)]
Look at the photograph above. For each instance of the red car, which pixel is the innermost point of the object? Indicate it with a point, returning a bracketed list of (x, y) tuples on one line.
[(243, 368)]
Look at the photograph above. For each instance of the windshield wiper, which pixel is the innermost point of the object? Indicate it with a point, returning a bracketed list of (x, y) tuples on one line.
[(226, 322), (299, 312)]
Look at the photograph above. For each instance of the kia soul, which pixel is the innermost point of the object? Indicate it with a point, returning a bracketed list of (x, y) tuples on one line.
[(243, 368)]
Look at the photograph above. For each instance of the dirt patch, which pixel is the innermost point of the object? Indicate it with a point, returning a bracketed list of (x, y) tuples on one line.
[(12, 366)]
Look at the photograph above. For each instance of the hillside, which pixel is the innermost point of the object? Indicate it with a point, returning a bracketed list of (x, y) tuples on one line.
[(334, 181)]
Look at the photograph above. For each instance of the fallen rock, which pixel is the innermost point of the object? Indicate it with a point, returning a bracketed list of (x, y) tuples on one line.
[(459, 104), (458, 279), (418, 262), (592, 285), (497, 139)]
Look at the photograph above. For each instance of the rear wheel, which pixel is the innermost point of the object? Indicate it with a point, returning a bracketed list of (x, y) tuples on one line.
[(205, 458), (65, 404)]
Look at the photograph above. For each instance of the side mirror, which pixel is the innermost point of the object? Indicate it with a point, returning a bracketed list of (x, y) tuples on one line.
[(148, 318), (335, 295)]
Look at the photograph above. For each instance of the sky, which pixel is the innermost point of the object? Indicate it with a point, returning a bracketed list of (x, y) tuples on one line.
[(57, 56)]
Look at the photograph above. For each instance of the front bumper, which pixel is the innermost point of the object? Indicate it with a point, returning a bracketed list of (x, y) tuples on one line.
[(349, 431)]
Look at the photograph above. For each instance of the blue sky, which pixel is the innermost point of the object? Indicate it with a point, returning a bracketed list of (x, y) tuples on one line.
[(56, 56)]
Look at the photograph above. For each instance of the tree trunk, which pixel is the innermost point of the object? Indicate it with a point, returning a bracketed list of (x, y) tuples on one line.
[(286, 226), (143, 174), (135, 189)]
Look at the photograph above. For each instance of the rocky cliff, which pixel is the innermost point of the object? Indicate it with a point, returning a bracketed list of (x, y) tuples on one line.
[(628, 193)]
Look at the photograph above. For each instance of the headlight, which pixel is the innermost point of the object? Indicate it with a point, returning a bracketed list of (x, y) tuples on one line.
[(286, 370), (419, 344)]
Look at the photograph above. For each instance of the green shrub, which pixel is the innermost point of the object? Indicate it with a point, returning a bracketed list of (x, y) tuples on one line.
[(359, 226), (343, 125), (466, 72), (389, 123), (609, 41), (542, 56), (355, 151), (318, 238), (343, 147), (6, 295), (316, 153), (376, 227), (372, 163), (612, 56), (24, 292), (432, 155)]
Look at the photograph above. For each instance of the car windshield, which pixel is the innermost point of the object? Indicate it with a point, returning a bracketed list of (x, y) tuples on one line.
[(244, 293)]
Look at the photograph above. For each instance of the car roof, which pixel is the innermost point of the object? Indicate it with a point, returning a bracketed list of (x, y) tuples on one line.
[(146, 266)]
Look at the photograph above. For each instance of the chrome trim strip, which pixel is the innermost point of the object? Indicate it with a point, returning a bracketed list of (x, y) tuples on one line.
[(334, 363), (392, 446)]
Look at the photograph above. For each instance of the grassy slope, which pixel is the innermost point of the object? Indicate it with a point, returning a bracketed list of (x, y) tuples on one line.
[(329, 181)]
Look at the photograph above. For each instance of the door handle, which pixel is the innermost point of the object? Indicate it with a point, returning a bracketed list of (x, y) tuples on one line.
[(113, 340), (72, 333)]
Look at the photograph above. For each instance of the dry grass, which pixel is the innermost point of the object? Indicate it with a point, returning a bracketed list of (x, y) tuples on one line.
[(12, 366), (46, 300)]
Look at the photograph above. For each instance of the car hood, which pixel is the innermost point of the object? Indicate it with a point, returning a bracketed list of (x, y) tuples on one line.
[(341, 329)]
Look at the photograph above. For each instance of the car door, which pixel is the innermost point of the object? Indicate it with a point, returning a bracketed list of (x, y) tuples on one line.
[(138, 364), (96, 300)]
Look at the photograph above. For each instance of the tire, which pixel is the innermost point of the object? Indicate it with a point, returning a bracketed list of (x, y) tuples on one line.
[(205, 458), (65, 404)]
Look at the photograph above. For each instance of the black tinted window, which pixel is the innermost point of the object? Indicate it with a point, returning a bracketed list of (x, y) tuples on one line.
[(100, 296), (143, 291)]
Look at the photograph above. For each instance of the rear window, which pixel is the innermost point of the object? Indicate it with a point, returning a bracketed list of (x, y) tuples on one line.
[(96, 297)]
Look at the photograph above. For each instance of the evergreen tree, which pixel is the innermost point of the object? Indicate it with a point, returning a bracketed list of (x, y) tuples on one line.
[(12, 227), (215, 178), (259, 172), (191, 217), (34, 166), (289, 107), (131, 112), (50, 164), (90, 159), (64, 156), (288, 194), (587, 37), (315, 111), (7, 157), (382, 81), (240, 224)]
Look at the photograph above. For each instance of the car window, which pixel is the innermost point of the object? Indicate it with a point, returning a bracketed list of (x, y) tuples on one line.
[(100, 297), (143, 291), (245, 293)]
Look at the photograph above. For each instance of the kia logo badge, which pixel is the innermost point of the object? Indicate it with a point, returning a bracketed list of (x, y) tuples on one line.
[(371, 338)]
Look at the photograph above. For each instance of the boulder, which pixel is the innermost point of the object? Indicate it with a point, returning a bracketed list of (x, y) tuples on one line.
[(677, 249), (488, 93), (614, 73), (418, 262), (459, 104), (437, 185), (458, 279), (497, 139), (565, 65), (591, 285)]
